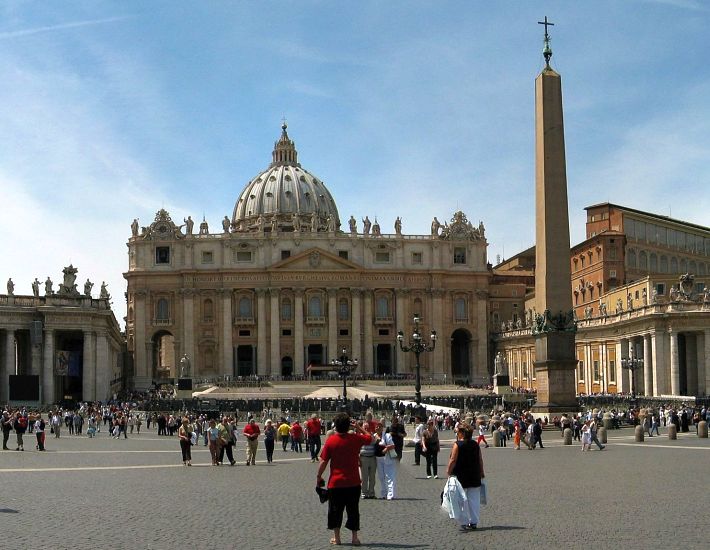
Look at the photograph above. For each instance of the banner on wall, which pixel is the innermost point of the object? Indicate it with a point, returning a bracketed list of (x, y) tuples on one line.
[(68, 363)]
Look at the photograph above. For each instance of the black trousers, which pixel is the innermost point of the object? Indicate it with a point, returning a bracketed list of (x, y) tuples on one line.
[(269, 446), (227, 448), (186, 451), (346, 498), (5, 437)]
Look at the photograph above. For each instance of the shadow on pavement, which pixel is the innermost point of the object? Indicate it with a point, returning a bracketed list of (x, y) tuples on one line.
[(500, 528), (8, 511), (391, 545)]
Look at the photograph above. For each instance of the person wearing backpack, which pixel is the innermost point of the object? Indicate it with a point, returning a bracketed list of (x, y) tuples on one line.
[(20, 427), (39, 432)]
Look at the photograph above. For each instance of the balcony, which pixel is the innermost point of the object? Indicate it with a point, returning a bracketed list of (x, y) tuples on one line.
[(162, 322), (384, 320), (244, 321), (315, 320)]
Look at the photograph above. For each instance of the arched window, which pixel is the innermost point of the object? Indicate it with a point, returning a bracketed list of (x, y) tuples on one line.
[(343, 310), (383, 307), (674, 265), (664, 264), (162, 310), (460, 310), (286, 310), (643, 260), (245, 309), (314, 307), (207, 310)]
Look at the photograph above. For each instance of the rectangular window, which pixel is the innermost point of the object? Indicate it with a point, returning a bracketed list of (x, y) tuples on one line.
[(580, 370), (162, 254), (343, 332), (244, 256), (612, 273), (343, 254), (384, 332), (244, 333), (286, 332), (285, 254), (382, 257), (660, 289), (459, 255), (612, 253), (207, 257), (595, 366), (612, 371), (416, 258)]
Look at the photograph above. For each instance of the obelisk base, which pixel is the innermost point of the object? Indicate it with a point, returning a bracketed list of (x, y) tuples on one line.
[(556, 392)]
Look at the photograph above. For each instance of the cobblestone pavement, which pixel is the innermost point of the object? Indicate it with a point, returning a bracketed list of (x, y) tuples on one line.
[(135, 493)]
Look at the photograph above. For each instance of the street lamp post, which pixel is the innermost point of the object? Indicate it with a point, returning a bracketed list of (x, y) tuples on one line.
[(345, 368), (418, 346), (632, 364)]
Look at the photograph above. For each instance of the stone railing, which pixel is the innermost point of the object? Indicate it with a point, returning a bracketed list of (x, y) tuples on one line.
[(54, 300)]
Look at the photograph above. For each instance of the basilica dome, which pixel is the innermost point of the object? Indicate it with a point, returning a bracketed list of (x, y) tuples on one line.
[(285, 197)]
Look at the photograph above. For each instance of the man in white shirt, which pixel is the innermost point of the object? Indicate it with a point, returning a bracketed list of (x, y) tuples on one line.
[(418, 431)]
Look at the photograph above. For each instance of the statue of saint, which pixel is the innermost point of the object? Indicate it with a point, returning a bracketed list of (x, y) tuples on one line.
[(352, 222), (35, 288), (48, 287), (134, 227), (366, 224), (184, 366), (376, 229), (104, 291), (10, 287), (296, 222), (398, 226), (88, 285), (314, 222), (331, 223), (260, 223), (225, 224), (274, 225), (481, 229), (189, 224), (435, 226)]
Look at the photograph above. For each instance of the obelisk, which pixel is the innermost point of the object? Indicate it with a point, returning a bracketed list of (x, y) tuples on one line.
[(555, 327)]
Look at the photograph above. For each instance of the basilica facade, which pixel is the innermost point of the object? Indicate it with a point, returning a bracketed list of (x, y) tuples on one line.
[(283, 285)]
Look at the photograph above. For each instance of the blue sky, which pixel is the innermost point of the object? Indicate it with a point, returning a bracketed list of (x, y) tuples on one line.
[(112, 110)]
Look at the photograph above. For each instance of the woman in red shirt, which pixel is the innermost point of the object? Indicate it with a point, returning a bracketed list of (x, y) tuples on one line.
[(342, 451)]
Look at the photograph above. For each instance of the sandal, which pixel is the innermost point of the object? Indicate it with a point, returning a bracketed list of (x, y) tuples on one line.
[(335, 541)]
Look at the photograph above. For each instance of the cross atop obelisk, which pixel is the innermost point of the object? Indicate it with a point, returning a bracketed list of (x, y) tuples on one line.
[(547, 50)]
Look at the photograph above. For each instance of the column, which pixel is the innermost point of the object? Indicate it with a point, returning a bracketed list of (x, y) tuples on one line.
[(299, 361), (8, 366), (368, 366), (603, 374), (660, 362), (141, 360), (704, 351), (104, 368), (48, 369), (675, 363), (275, 336), (333, 351), (188, 328), (400, 324), (623, 373), (227, 342), (480, 368), (88, 388), (691, 363), (356, 319), (261, 351), (437, 324), (647, 366)]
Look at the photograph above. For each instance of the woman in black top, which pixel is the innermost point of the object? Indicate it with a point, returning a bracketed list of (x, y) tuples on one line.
[(466, 464)]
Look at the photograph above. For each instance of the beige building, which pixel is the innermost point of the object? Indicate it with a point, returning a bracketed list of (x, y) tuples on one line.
[(282, 286), (61, 345)]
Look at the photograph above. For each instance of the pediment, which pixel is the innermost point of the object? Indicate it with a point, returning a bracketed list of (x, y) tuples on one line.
[(315, 259)]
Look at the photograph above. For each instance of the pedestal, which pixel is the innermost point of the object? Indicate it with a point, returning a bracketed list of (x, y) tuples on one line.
[(184, 388), (501, 384)]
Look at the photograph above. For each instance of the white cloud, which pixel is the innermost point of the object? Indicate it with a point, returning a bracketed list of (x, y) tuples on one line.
[(61, 26)]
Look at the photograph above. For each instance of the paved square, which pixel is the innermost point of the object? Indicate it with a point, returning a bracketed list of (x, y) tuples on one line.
[(135, 493)]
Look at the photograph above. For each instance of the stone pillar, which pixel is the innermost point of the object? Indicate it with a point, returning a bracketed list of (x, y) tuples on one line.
[(368, 365), (400, 324), (141, 361), (8, 366), (647, 366), (227, 342), (275, 336), (436, 362), (261, 351), (675, 364), (48, 396), (660, 362), (704, 362), (299, 361), (691, 362), (333, 351), (356, 314), (104, 368), (188, 328), (624, 378), (480, 367), (88, 388), (36, 359)]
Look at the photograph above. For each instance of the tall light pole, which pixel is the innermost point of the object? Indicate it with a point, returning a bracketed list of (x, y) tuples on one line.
[(418, 346), (345, 368), (631, 364)]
